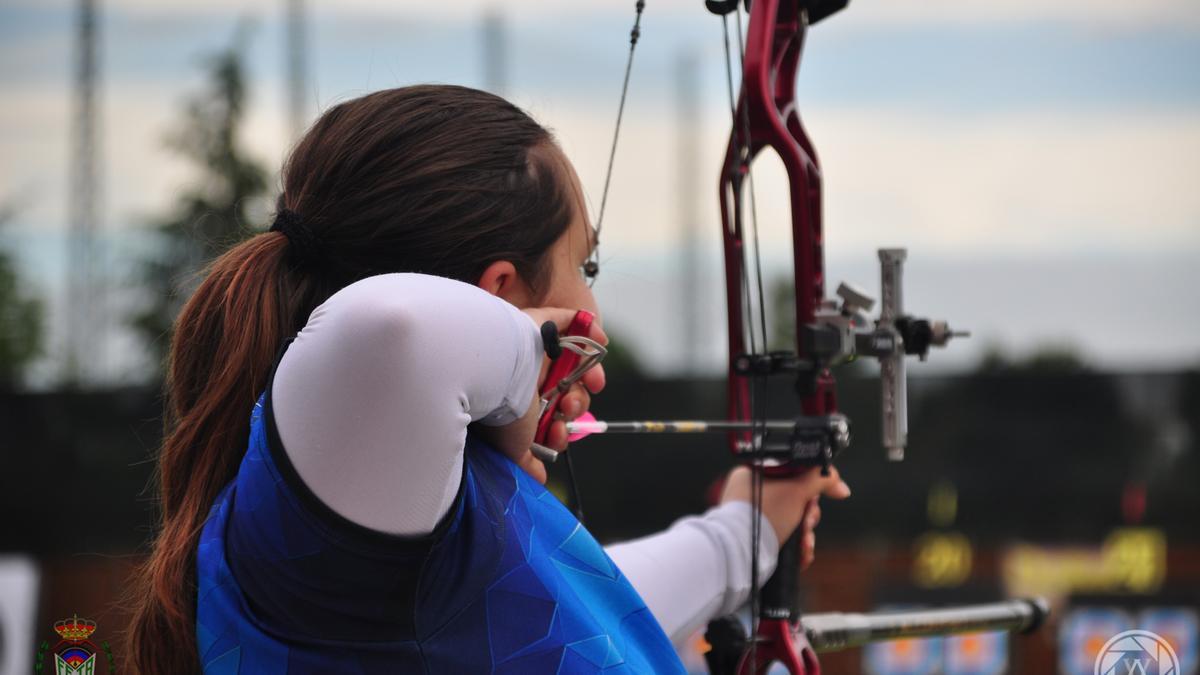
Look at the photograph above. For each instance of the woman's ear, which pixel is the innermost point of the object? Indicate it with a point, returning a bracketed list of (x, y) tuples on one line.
[(501, 279)]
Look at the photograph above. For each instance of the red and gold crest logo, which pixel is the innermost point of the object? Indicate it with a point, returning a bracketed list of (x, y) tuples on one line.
[(75, 653)]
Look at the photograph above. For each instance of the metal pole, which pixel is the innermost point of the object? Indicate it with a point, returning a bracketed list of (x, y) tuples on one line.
[(687, 114), (83, 334), (296, 46), (495, 52)]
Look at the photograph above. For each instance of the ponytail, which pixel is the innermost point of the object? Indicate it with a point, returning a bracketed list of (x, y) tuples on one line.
[(224, 343)]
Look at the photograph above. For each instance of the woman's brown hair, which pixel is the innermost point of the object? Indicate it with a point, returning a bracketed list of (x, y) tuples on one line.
[(436, 179)]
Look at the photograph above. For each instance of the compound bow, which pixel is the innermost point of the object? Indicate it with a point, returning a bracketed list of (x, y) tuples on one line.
[(765, 116)]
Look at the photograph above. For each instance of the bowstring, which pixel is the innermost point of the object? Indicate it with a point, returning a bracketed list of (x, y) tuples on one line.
[(634, 34)]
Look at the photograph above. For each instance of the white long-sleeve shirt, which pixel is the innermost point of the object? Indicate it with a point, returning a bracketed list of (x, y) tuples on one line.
[(372, 402)]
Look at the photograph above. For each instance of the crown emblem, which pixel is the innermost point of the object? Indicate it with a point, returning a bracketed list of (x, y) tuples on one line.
[(75, 628)]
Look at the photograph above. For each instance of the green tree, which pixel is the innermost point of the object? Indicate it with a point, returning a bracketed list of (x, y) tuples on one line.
[(211, 215), (21, 319)]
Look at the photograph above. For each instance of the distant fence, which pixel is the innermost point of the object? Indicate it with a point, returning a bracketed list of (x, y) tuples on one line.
[(1035, 457), (1045, 460)]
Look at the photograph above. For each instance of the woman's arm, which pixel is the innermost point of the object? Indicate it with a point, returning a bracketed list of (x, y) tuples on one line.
[(373, 398), (698, 569)]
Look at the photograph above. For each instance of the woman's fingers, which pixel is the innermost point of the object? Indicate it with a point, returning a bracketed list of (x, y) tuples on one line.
[(556, 436), (594, 379), (576, 401), (808, 546), (532, 466), (830, 485), (813, 515), (837, 489), (788, 503), (813, 484), (572, 404), (562, 318), (808, 550)]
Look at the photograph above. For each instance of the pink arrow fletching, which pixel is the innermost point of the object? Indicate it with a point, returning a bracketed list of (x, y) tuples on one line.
[(584, 425)]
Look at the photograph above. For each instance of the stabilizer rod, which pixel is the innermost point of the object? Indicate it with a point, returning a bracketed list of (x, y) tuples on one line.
[(836, 631)]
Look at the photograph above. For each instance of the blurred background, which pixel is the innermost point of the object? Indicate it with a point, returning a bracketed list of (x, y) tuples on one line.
[(1039, 160)]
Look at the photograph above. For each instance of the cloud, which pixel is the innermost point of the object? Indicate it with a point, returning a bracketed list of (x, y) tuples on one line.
[(1111, 14), (1017, 183), (1023, 182), (140, 175)]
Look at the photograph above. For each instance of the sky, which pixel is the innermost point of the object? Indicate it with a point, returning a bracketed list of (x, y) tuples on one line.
[(1039, 160)]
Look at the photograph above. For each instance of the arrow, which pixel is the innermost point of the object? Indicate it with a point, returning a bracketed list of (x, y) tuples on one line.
[(586, 425)]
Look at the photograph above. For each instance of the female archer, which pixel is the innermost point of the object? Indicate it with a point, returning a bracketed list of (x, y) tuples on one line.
[(347, 484)]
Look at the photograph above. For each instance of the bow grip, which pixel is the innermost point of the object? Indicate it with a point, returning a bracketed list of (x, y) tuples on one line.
[(561, 367)]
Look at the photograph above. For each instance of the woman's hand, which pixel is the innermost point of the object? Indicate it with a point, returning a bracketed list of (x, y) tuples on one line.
[(790, 503), (514, 439)]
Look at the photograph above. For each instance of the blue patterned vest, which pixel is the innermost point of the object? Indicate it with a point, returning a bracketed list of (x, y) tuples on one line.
[(508, 582)]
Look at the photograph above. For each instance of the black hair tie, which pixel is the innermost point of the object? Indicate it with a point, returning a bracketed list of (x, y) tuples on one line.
[(302, 241)]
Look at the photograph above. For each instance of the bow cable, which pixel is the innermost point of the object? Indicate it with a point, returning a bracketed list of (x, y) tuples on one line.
[(758, 391)]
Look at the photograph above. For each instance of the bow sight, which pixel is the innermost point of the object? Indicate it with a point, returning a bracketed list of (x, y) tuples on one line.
[(840, 333)]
